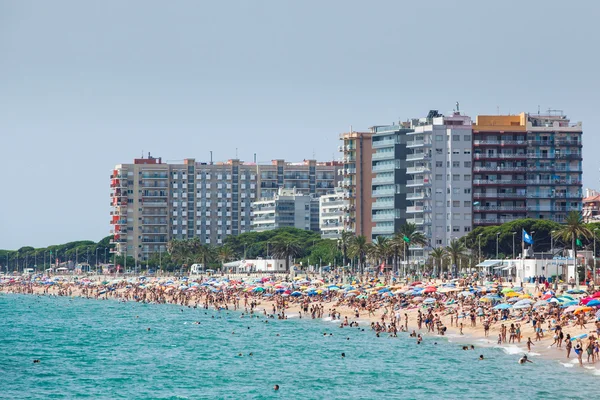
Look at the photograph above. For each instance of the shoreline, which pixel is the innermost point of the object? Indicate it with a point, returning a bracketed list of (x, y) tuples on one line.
[(470, 335)]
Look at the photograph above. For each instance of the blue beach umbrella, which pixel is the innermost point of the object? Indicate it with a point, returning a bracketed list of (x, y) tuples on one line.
[(296, 294), (503, 306)]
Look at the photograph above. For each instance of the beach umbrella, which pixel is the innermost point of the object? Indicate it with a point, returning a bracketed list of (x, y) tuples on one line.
[(429, 300), (566, 297), (430, 289), (523, 302), (575, 291), (593, 303), (465, 293), (258, 289), (503, 306), (418, 298), (583, 309), (507, 290), (570, 308), (511, 294), (541, 303), (512, 299), (596, 295), (520, 306), (598, 314)]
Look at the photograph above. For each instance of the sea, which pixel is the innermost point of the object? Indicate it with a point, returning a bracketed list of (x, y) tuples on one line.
[(105, 349)]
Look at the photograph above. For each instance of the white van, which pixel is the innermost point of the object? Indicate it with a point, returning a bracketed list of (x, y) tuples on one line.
[(197, 268)]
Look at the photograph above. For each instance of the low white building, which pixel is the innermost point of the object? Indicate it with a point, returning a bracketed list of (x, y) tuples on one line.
[(332, 213), (259, 265), (525, 270), (287, 208)]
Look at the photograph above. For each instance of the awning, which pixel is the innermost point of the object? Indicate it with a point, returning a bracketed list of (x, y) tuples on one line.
[(489, 263)]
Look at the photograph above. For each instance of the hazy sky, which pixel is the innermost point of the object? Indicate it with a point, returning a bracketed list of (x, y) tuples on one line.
[(86, 85)]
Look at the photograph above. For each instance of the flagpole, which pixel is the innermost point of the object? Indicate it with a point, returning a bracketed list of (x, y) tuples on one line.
[(523, 253)]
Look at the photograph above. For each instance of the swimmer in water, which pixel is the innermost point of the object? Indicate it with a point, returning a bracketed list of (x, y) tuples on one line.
[(276, 387), (524, 360), (481, 356), (343, 355)]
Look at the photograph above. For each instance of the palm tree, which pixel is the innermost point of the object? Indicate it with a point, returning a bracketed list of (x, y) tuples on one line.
[(204, 253), (226, 253), (345, 241), (397, 245), (456, 250), (381, 249), (437, 255), (178, 250), (286, 248), (572, 230), (415, 236), (359, 248)]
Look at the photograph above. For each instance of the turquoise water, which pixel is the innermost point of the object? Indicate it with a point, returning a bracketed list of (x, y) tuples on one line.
[(103, 350)]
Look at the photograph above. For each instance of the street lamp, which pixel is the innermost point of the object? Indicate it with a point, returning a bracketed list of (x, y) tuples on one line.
[(479, 238), (497, 240), (532, 244), (594, 269), (513, 234)]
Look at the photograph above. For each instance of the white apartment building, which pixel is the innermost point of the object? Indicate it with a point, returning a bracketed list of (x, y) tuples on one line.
[(287, 208), (439, 177), (333, 214), (153, 202)]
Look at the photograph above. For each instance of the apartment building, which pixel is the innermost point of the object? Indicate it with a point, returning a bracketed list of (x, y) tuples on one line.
[(333, 214), (591, 206), (153, 202), (389, 179), (357, 177), (439, 176), (526, 165), (287, 208)]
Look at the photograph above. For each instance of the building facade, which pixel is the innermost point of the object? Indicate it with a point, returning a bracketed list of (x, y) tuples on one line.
[(333, 214), (526, 166), (389, 192), (153, 202), (439, 171), (287, 208), (356, 180)]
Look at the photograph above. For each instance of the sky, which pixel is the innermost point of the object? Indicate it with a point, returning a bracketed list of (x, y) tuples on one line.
[(87, 85)]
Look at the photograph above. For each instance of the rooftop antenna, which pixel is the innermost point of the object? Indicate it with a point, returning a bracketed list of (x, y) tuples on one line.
[(142, 153), (350, 128), (236, 153), (538, 109), (314, 157), (497, 110), (211, 160), (254, 158), (457, 108)]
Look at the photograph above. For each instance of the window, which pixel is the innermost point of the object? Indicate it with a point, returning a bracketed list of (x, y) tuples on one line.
[(439, 151), (467, 216), (439, 216), (438, 241), (455, 151), (438, 177), (467, 151), (456, 190), (455, 164), (467, 164), (467, 177), (439, 190), (467, 229), (467, 203), (439, 203), (439, 164), (456, 229), (455, 203), (439, 138), (456, 216), (447, 203), (467, 138), (456, 177), (455, 138), (468, 191)]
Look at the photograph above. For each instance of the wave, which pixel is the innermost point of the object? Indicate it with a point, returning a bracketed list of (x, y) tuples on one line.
[(567, 365)]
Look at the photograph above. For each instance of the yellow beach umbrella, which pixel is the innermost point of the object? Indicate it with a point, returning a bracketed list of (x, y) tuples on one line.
[(512, 294)]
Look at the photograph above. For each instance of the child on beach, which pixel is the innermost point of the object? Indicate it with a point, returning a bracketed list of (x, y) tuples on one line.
[(529, 344)]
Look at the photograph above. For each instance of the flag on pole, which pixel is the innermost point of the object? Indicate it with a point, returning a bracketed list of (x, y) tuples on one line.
[(406, 239), (527, 237), (578, 242)]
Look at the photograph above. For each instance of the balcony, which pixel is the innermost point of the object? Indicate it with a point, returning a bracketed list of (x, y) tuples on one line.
[(493, 221), (552, 208), (383, 179), (155, 176), (563, 142), (520, 208), (384, 216), (418, 182), (384, 155), (418, 157), (500, 143), (418, 170), (418, 196), (499, 195), (383, 230), (417, 209), (511, 182), (500, 156), (147, 203), (553, 182), (387, 167), (416, 221), (487, 168), (384, 192), (551, 194), (383, 143), (417, 143), (381, 205)]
